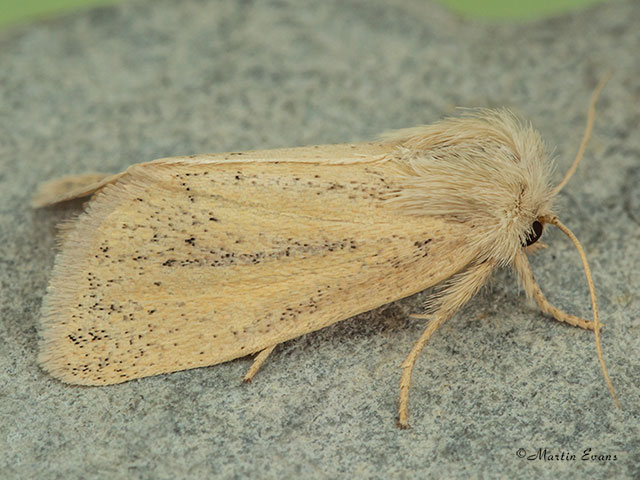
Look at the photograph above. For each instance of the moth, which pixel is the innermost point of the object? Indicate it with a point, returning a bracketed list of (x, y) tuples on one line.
[(193, 261)]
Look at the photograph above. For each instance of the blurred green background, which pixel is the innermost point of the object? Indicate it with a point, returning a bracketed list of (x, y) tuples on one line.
[(20, 11)]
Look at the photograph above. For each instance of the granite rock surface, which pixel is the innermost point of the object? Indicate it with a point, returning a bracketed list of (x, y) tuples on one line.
[(113, 86)]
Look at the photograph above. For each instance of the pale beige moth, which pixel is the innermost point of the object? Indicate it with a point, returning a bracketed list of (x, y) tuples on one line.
[(192, 261)]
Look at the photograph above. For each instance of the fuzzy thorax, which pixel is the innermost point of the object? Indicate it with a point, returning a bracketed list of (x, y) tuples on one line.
[(488, 170)]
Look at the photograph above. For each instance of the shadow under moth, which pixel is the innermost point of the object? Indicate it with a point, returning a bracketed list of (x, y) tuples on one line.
[(192, 261)]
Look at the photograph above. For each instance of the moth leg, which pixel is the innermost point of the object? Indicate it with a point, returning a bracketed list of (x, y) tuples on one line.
[(532, 290), (536, 247), (463, 287), (407, 369), (257, 363)]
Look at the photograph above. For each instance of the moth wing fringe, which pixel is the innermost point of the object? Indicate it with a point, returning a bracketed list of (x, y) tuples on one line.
[(68, 271)]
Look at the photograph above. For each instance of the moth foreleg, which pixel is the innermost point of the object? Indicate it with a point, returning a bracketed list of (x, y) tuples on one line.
[(257, 363), (532, 289), (536, 247)]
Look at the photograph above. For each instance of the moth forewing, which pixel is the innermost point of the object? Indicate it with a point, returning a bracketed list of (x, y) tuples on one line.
[(182, 264)]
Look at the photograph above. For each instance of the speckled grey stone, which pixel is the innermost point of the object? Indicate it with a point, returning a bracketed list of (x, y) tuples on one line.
[(113, 86)]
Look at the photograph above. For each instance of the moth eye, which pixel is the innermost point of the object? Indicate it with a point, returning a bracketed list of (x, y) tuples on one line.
[(534, 235)]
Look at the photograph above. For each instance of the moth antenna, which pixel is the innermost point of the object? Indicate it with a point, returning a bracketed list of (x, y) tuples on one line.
[(592, 291), (591, 115)]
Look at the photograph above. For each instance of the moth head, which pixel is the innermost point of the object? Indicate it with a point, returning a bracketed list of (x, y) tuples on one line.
[(488, 170)]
